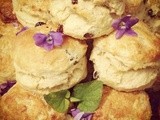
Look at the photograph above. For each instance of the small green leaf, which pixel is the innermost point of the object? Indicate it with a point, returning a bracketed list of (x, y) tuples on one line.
[(90, 94), (58, 101), (73, 99), (68, 94)]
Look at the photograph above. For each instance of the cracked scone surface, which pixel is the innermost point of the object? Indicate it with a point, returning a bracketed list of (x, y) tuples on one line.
[(45, 71)]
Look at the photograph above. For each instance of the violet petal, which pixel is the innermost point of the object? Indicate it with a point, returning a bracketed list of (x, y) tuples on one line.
[(126, 18), (57, 37), (47, 46), (3, 86), (74, 112), (131, 32), (11, 83), (89, 117), (79, 116), (120, 33), (6, 86), (86, 114), (39, 39), (23, 29), (131, 22), (116, 23)]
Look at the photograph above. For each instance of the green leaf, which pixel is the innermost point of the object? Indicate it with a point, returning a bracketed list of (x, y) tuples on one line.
[(68, 94), (73, 99), (90, 94), (58, 100)]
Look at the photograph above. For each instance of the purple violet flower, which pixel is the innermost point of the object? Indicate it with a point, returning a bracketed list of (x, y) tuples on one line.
[(4, 87), (123, 26), (48, 41), (78, 115), (23, 29)]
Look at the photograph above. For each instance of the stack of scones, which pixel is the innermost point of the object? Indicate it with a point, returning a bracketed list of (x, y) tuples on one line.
[(60, 48)]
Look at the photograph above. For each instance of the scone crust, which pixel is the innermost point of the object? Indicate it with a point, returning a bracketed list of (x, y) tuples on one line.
[(19, 104), (123, 106)]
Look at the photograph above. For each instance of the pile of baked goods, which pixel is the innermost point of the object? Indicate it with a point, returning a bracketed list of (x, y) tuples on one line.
[(80, 60)]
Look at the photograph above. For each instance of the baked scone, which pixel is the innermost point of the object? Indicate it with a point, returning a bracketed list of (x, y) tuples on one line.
[(83, 19), (129, 63), (42, 70), (29, 12), (7, 39), (117, 105), (20, 104)]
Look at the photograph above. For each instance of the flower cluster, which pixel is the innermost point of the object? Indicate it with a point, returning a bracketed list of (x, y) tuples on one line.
[(123, 26), (48, 41)]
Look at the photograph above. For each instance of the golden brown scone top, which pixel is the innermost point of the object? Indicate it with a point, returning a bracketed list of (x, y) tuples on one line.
[(123, 106), (28, 55), (133, 51), (19, 104)]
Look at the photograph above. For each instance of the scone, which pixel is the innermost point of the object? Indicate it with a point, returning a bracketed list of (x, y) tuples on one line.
[(42, 70), (123, 106), (7, 39), (30, 12), (81, 19), (129, 63), (20, 104)]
